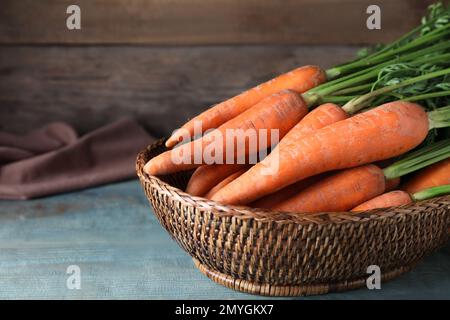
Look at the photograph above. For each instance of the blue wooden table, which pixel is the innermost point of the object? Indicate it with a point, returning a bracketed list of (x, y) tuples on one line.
[(123, 253)]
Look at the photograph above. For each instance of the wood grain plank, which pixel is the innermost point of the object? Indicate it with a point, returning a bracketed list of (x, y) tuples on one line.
[(206, 22), (160, 86)]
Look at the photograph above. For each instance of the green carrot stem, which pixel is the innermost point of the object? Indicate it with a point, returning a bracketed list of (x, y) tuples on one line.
[(363, 101), (348, 77), (421, 40), (420, 152), (366, 75), (384, 55), (429, 38), (431, 192), (337, 99), (439, 118), (441, 58), (429, 95), (414, 31), (411, 34), (365, 86), (315, 96), (420, 55), (419, 159), (403, 38)]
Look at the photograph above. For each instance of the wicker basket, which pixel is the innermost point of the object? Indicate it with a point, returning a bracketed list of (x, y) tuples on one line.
[(283, 254)]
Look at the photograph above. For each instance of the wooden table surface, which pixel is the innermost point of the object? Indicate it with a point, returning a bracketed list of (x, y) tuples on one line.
[(124, 253)]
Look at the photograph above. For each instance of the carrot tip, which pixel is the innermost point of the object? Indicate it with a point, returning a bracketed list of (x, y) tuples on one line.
[(216, 197), (173, 139), (148, 169), (171, 142)]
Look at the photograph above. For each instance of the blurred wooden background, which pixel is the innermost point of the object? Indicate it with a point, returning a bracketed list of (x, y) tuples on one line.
[(162, 61)]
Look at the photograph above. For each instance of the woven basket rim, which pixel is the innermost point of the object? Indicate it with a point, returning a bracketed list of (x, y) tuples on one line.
[(265, 215)]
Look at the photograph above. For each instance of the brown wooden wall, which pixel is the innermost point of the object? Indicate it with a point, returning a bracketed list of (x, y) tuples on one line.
[(206, 21), (162, 61)]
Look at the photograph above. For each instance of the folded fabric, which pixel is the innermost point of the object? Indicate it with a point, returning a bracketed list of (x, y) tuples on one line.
[(51, 137), (54, 159)]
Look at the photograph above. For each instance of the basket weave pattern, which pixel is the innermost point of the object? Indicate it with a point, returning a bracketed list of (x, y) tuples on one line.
[(275, 253)]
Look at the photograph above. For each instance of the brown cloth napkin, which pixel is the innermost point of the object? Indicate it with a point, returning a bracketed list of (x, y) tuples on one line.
[(54, 159)]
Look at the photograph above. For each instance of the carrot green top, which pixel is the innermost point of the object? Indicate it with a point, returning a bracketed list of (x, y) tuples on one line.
[(419, 159), (433, 28), (431, 192)]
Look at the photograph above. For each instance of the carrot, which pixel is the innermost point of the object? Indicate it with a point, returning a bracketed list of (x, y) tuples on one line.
[(390, 199), (399, 197), (272, 200), (380, 133), (298, 80), (318, 118), (339, 192), (279, 111), (223, 183), (206, 177), (435, 175), (417, 48), (260, 117), (350, 187)]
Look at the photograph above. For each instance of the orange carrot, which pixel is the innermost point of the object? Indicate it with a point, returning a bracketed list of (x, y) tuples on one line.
[(339, 192), (299, 80), (400, 197), (435, 175), (318, 118), (357, 185), (380, 133), (272, 200), (223, 183), (206, 177), (389, 199), (279, 111)]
